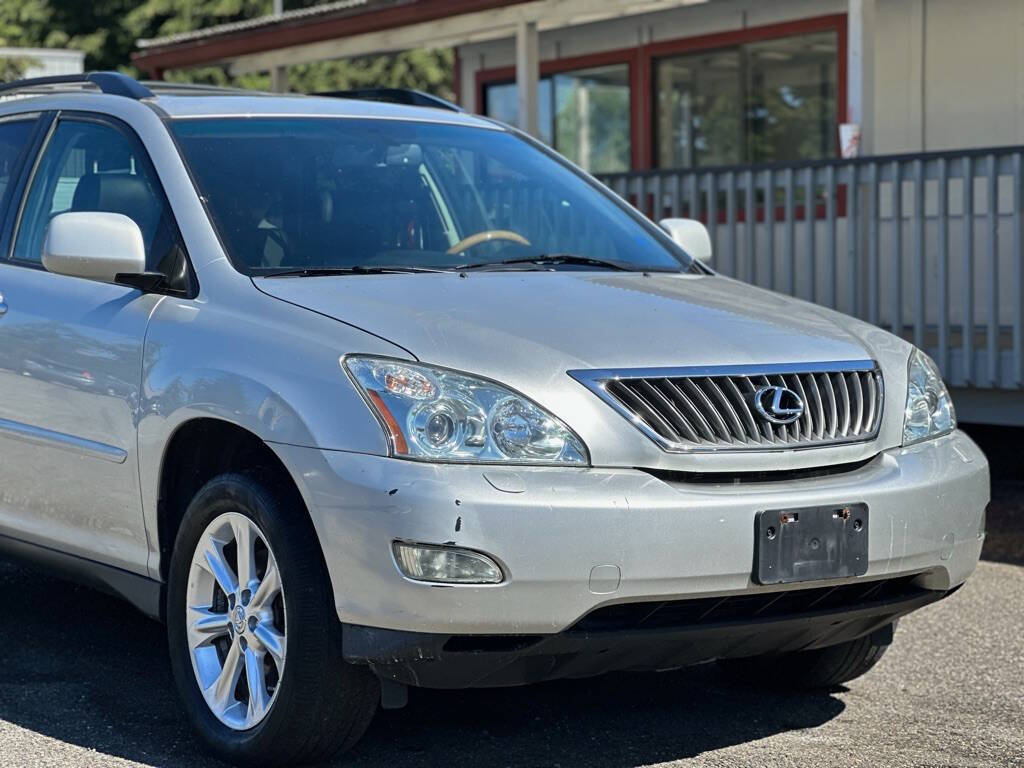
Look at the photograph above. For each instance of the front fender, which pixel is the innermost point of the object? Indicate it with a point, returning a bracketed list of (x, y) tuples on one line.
[(270, 368)]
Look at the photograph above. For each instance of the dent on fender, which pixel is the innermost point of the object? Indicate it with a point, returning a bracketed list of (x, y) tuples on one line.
[(224, 395)]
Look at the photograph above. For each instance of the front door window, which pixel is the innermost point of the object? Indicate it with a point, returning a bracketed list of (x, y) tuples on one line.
[(93, 166)]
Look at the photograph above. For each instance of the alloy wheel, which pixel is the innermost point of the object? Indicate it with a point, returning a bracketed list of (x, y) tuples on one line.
[(235, 621)]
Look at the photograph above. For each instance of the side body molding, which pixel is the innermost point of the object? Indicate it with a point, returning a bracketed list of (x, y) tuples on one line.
[(39, 436)]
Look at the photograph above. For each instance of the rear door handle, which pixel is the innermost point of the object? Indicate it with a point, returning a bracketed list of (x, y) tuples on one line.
[(3, 305)]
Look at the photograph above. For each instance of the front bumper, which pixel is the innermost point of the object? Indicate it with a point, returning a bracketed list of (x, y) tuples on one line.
[(573, 540), (643, 636)]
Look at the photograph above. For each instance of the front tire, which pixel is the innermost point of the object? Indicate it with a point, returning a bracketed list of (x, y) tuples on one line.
[(254, 641), (818, 668)]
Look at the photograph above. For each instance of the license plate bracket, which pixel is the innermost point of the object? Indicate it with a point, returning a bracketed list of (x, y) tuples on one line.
[(810, 543)]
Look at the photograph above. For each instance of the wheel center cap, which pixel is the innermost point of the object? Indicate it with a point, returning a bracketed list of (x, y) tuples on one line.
[(238, 618)]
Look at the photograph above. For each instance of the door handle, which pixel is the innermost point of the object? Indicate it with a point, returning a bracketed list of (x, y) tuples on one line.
[(3, 305)]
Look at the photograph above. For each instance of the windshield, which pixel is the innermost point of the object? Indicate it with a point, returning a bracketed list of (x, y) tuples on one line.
[(308, 195)]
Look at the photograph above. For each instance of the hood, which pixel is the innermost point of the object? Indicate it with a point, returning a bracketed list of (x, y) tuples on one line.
[(489, 322), (527, 329)]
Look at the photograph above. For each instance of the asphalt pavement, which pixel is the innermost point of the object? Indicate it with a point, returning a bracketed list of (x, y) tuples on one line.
[(84, 682)]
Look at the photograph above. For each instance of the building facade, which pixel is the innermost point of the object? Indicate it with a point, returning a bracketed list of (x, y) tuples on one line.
[(736, 112), (729, 83), (622, 84)]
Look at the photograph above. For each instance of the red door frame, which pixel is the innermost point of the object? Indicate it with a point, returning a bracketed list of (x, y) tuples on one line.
[(641, 71)]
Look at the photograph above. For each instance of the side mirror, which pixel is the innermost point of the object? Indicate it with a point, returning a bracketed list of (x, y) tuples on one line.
[(691, 236), (94, 245)]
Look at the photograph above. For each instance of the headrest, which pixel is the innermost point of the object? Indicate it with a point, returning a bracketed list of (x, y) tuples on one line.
[(124, 193)]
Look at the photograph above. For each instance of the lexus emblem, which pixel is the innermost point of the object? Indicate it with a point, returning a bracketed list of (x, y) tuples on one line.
[(779, 405)]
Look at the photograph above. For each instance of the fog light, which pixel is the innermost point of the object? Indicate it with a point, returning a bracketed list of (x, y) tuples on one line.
[(445, 565)]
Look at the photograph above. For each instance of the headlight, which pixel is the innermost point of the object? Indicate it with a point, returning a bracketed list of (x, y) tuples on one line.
[(929, 411), (435, 414)]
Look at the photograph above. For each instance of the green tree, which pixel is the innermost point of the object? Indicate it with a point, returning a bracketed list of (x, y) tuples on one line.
[(427, 70), (93, 27), (19, 20), (424, 70), (106, 30), (157, 18), (25, 22)]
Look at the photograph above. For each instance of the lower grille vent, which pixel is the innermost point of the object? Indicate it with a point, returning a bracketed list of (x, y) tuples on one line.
[(746, 607)]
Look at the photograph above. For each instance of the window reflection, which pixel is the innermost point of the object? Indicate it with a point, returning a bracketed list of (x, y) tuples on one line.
[(14, 136), (502, 103), (791, 98), (592, 118), (700, 110), (771, 101), (584, 114)]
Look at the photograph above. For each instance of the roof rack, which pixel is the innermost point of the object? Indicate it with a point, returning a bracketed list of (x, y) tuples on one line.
[(406, 96), (108, 82), (120, 84), (172, 88)]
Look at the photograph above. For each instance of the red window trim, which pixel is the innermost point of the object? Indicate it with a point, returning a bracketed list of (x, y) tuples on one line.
[(641, 68)]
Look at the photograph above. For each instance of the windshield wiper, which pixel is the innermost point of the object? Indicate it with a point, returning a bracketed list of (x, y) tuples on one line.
[(549, 260), (356, 269)]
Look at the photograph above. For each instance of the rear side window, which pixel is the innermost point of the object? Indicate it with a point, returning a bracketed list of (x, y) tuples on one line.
[(14, 136), (93, 166)]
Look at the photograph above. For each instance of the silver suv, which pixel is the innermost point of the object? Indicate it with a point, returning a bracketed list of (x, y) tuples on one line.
[(358, 395)]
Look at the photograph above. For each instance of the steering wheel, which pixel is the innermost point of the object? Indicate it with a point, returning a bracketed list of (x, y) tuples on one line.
[(485, 237)]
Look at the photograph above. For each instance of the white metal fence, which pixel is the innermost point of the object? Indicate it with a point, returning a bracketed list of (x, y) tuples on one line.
[(883, 238)]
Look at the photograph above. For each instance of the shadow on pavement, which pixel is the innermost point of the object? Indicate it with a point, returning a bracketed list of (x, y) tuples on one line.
[(83, 668)]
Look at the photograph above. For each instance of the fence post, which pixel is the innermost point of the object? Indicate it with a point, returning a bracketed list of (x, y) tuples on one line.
[(967, 339), (810, 216), (853, 237), (730, 220), (919, 268), (896, 321), (942, 266), (749, 229), (992, 220), (874, 281), (1018, 271), (790, 239)]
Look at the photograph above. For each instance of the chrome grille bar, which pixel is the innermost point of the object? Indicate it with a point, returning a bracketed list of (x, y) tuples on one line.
[(713, 409)]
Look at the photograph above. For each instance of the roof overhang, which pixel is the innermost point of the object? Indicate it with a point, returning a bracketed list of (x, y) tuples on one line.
[(362, 27)]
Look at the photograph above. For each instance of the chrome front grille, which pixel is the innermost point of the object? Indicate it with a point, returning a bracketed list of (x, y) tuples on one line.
[(713, 408)]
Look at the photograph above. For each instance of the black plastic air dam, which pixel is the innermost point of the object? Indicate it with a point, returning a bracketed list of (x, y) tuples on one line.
[(641, 636)]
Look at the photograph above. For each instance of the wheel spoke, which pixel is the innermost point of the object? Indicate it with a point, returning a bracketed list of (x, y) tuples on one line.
[(245, 541), (206, 626), (223, 693), (258, 696), (214, 562), (272, 641), (268, 588)]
